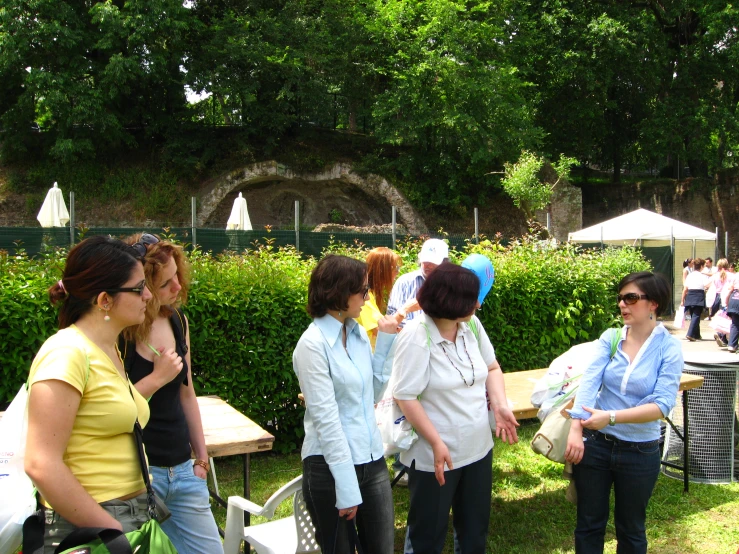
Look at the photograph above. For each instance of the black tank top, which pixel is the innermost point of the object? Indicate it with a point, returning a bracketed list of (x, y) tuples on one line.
[(166, 436)]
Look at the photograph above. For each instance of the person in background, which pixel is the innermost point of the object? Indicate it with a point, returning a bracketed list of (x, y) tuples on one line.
[(694, 298), (382, 269), (614, 437), (403, 305), (345, 478), (157, 358), (687, 268), (730, 299), (81, 453), (708, 269), (442, 373), (719, 282)]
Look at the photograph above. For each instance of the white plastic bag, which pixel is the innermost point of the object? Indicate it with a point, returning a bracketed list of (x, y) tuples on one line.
[(16, 489), (397, 433), (679, 318)]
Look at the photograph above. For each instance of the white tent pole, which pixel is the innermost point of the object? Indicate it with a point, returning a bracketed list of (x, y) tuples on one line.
[(71, 218), (693, 256)]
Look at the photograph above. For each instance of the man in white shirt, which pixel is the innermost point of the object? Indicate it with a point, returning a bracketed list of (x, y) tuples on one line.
[(708, 269)]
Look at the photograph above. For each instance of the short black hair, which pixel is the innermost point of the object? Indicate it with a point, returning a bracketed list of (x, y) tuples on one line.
[(450, 292), (709, 259), (655, 286), (332, 282)]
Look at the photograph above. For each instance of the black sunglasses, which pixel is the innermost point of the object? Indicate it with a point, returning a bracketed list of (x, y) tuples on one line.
[(145, 240), (139, 289), (631, 298), (365, 291)]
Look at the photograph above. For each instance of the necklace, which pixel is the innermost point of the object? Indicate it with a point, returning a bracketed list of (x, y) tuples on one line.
[(455, 367)]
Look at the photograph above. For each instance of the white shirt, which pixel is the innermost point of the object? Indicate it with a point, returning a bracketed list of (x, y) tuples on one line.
[(458, 412), (696, 280)]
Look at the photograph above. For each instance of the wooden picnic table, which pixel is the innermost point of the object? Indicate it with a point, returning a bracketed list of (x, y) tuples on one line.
[(228, 432)]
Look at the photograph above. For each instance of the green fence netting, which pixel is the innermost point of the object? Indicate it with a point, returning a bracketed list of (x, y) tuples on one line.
[(33, 240)]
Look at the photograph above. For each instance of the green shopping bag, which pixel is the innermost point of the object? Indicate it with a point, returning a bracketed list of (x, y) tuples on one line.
[(149, 539)]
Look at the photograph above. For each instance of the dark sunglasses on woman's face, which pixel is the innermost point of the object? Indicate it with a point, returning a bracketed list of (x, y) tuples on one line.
[(145, 240), (365, 291), (139, 289), (631, 298)]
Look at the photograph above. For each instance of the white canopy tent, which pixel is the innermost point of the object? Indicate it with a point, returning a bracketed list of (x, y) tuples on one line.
[(648, 229)]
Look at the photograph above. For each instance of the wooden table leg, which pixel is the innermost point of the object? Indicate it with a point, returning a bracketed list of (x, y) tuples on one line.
[(247, 486)]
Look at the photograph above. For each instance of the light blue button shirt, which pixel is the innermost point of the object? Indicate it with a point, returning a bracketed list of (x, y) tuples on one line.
[(341, 388), (653, 377)]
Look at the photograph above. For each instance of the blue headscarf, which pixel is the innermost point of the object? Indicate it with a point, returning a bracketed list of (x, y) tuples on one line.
[(483, 268)]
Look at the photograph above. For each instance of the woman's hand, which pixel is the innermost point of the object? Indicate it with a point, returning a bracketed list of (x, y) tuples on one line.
[(199, 471), (598, 419), (441, 457), (167, 366), (575, 445), (350, 513), (388, 324), (505, 425)]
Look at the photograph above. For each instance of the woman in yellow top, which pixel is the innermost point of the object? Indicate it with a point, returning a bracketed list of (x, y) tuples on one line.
[(383, 266), (80, 451)]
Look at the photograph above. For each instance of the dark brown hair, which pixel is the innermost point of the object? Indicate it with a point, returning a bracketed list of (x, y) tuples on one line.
[(655, 286), (95, 265), (157, 256), (332, 282), (381, 263), (450, 292)]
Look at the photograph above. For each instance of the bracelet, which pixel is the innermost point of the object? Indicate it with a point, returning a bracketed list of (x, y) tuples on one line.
[(202, 463)]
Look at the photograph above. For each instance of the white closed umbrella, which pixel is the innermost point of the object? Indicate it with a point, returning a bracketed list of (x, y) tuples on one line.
[(53, 211), (239, 218)]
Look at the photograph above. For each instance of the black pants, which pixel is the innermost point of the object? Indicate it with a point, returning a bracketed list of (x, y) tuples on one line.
[(694, 329), (467, 493), (375, 519)]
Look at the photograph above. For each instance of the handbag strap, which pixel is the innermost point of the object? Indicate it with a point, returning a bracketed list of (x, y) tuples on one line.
[(138, 436), (113, 539), (354, 544)]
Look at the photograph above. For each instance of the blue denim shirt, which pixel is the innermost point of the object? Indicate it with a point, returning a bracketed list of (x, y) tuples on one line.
[(341, 388), (653, 377), (405, 288)]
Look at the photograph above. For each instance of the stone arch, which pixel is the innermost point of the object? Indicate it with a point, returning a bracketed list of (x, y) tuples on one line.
[(373, 185)]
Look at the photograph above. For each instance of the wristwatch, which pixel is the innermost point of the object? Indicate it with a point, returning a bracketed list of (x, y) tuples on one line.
[(611, 418)]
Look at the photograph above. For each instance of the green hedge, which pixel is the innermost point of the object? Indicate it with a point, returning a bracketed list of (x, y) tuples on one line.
[(247, 312)]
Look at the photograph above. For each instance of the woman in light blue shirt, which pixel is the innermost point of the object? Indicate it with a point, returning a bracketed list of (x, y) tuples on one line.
[(345, 478), (614, 439)]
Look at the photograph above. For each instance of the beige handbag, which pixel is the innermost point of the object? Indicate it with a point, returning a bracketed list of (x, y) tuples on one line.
[(551, 439)]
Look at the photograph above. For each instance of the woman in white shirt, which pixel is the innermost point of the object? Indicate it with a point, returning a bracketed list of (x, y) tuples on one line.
[(442, 374), (694, 298)]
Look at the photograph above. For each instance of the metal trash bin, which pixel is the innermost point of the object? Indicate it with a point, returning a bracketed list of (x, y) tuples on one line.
[(712, 425)]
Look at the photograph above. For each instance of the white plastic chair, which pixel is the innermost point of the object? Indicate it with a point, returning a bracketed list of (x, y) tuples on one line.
[(290, 535)]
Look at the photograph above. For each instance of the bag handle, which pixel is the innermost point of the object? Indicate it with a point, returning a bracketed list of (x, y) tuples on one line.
[(354, 544), (113, 539)]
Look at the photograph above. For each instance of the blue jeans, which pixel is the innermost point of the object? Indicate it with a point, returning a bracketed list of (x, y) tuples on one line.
[(191, 528), (734, 332), (631, 468), (694, 329), (375, 519)]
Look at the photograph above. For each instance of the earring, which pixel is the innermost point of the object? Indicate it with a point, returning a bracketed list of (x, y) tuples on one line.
[(339, 314), (107, 317), (651, 315)]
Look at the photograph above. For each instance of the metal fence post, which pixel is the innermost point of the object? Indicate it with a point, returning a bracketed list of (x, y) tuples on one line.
[(393, 226), (194, 210), (477, 228), (71, 218), (297, 225)]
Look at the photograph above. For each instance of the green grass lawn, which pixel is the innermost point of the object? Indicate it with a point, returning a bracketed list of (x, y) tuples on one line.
[(529, 511)]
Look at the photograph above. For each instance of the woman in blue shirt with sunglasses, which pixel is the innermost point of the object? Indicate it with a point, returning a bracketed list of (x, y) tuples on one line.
[(614, 439)]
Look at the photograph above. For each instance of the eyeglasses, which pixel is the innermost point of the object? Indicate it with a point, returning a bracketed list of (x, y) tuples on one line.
[(365, 291), (137, 289), (631, 298), (145, 240)]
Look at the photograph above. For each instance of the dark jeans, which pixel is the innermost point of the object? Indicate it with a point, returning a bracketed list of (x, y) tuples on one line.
[(631, 468), (734, 332), (694, 329), (715, 307), (375, 519), (466, 492)]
